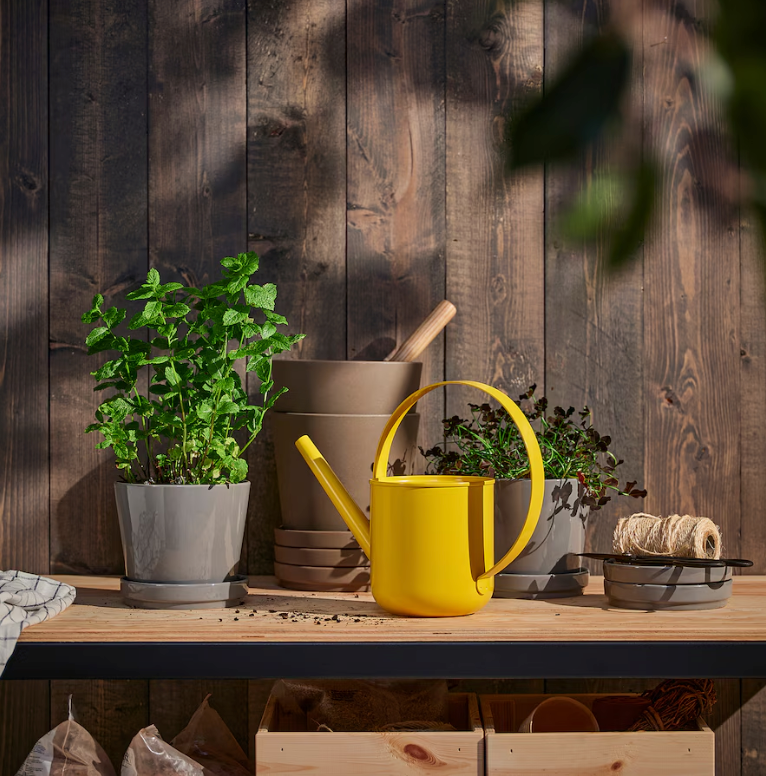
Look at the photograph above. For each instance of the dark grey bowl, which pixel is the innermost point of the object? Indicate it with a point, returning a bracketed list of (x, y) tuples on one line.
[(637, 574), (657, 597)]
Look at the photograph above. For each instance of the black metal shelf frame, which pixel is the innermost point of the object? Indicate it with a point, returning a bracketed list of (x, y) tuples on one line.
[(482, 659)]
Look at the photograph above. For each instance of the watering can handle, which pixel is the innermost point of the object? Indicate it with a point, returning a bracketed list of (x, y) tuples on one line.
[(537, 473)]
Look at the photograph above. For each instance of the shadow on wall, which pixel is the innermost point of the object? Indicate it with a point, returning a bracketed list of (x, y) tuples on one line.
[(91, 500)]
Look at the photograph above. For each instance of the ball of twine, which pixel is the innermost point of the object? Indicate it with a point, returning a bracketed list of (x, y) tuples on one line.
[(681, 535)]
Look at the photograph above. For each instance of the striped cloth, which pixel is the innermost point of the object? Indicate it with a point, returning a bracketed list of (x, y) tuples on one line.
[(26, 599)]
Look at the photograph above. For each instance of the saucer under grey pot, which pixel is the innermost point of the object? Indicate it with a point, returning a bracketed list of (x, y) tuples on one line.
[(182, 544), (548, 567)]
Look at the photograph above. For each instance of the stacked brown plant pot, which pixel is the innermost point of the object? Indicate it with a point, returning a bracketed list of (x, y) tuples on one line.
[(343, 406)]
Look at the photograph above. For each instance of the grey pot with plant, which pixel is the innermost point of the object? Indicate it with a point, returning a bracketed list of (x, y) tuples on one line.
[(180, 448), (580, 475)]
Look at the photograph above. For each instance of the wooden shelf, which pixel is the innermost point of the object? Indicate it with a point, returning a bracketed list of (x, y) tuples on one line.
[(280, 632)]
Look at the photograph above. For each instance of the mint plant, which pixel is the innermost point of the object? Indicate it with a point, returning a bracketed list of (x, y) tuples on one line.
[(185, 430), (490, 445)]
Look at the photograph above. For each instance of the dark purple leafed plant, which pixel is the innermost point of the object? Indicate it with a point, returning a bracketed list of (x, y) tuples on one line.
[(489, 445)]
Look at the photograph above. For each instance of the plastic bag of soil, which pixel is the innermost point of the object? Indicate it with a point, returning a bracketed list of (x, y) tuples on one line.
[(67, 750), (149, 755), (210, 742), (345, 706)]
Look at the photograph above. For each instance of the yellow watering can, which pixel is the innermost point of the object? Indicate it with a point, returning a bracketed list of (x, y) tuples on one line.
[(430, 539)]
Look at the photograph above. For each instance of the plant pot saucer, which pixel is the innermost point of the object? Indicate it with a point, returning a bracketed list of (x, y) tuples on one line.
[(565, 584), (323, 578), (674, 597), (184, 595), (329, 540), (312, 556), (637, 574)]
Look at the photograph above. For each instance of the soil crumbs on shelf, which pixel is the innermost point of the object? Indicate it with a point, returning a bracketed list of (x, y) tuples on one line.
[(318, 619)]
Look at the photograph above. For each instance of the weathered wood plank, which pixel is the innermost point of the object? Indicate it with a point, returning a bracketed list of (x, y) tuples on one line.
[(752, 393), (593, 322), (691, 311), (753, 449), (24, 285), (575, 686), (726, 721), (24, 718), (24, 512), (498, 686), (111, 711), (258, 691), (396, 182), (692, 308), (172, 703), (296, 157), (197, 106), (98, 245), (753, 726), (495, 244), (197, 176)]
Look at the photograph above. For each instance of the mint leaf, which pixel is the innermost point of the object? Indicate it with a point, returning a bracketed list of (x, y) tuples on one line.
[(261, 296), (96, 335), (172, 376)]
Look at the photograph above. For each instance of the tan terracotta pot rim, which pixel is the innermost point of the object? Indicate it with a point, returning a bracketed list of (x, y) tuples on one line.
[(342, 415), (388, 364)]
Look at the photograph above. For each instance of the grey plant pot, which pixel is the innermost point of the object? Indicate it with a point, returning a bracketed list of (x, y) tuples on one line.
[(181, 533), (560, 532)]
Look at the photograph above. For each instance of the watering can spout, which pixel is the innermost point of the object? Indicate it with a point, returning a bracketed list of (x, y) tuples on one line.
[(354, 518)]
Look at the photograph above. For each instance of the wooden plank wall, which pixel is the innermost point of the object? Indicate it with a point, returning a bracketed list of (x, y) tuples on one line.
[(358, 148)]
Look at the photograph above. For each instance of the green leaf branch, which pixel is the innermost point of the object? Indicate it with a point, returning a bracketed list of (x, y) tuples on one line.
[(186, 430)]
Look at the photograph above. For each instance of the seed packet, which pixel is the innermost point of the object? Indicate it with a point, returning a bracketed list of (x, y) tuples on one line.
[(210, 742), (149, 755), (67, 750)]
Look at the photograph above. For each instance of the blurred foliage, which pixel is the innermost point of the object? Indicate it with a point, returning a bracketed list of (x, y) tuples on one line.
[(577, 108), (739, 36), (587, 108)]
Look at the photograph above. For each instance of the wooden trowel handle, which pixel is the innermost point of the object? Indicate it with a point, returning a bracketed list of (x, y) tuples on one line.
[(424, 335)]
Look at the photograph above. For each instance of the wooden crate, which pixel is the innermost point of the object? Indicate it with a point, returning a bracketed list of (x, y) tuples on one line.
[(682, 753), (283, 746)]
